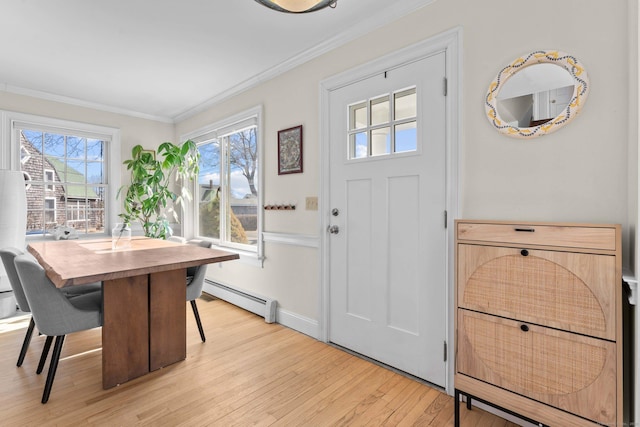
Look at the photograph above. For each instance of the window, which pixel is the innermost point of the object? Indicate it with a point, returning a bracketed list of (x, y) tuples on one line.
[(50, 212), (49, 177), (383, 125), (72, 170), (227, 195)]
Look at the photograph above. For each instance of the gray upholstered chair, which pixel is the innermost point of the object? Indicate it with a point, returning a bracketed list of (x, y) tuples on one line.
[(195, 281), (8, 255), (55, 314)]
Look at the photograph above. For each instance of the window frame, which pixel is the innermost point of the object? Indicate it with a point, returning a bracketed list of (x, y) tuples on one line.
[(10, 124), (220, 129), (369, 128)]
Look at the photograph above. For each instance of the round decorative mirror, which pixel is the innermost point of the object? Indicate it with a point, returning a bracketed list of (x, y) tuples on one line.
[(537, 94)]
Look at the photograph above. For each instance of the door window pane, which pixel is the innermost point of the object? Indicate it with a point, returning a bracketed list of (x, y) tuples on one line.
[(406, 137), (359, 144), (405, 104), (358, 116), (380, 112), (380, 141)]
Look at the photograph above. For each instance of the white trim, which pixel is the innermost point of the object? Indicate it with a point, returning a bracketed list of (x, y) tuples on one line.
[(451, 43), (299, 323), (292, 239)]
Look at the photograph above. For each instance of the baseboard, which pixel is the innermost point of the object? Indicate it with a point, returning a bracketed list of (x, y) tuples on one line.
[(298, 323), (263, 306)]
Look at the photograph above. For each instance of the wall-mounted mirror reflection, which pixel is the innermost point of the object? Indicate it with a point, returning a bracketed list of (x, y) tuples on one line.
[(536, 94)]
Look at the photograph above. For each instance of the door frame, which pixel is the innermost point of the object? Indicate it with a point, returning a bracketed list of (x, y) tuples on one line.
[(449, 42)]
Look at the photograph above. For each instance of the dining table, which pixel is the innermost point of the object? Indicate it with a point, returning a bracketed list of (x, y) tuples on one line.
[(144, 296)]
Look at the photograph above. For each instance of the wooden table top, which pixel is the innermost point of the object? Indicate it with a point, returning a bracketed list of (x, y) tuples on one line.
[(77, 262)]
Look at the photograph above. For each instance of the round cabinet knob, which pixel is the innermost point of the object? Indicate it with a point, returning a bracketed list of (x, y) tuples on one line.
[(524, 252), (524, 328)]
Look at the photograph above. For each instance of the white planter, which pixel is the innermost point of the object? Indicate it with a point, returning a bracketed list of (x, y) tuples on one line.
[(13, 215)]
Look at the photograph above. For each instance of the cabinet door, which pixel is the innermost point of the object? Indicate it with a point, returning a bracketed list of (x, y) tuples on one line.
[(569, 371), (563, 290)]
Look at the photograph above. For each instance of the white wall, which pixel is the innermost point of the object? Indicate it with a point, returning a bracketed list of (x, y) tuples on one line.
[(580, 173)]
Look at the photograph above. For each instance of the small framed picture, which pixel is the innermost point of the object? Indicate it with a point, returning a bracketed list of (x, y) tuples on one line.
[(152, 152), (290, 150)]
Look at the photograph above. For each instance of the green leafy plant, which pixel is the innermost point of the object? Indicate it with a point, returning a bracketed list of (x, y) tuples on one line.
[(150, 198)]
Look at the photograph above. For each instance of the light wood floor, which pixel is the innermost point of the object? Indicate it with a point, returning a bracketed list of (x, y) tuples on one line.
[(247, 373)]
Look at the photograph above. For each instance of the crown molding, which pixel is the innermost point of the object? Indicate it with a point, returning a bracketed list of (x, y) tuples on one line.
[(80, 103), (359, 29)]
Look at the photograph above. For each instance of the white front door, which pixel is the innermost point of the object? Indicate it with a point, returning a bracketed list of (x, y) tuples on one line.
[(387, 196)]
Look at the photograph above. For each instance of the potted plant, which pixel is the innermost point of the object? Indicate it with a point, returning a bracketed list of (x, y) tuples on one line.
[(150, 197)]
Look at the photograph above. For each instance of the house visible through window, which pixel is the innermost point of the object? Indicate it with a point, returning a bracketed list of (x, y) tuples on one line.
[(67, 180), (228, 187)]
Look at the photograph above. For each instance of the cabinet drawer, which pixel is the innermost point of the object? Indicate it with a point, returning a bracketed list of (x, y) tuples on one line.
[(547, 235), (564, 290), (568, 371)]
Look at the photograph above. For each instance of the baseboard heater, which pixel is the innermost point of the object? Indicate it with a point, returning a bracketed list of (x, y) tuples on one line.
[(256, 304)]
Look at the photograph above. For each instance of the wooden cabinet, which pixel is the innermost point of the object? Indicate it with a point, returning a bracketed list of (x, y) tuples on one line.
[(539, 320)]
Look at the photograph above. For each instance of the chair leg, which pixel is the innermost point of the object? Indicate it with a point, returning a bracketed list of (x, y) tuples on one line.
[(194, 307), (25, 343), (45, 353), (53, 366)]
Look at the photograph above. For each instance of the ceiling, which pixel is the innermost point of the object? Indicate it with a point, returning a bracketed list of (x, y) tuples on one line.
[(167, 59)]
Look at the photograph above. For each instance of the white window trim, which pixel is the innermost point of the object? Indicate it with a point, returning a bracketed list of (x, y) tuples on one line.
[(10, 150), (224, 127)]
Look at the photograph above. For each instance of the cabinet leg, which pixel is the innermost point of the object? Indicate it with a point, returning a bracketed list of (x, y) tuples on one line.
[(468, 402), (456, 417)]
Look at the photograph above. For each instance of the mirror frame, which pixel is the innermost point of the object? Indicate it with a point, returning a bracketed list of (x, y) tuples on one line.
[(579, 97)]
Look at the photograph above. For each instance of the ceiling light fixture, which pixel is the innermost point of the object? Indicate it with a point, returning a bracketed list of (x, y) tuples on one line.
[(298, 6)]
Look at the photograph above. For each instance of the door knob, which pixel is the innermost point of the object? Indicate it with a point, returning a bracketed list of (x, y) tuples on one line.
[(333, 229)]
